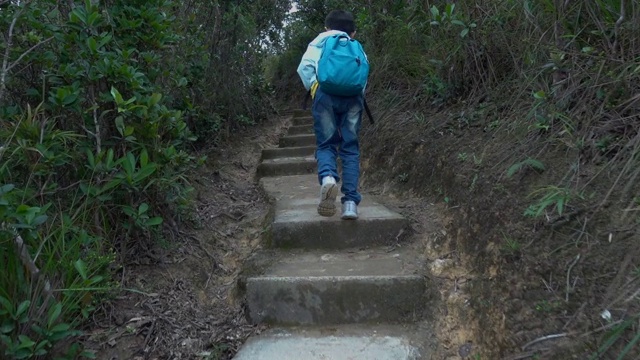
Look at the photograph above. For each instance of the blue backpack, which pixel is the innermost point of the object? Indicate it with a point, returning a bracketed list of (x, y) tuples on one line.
[(343, 67)]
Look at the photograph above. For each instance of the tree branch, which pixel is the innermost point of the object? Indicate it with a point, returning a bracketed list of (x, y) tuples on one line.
[(27, 52), (616, 29), (5, 61), (96, 121), (27, 262)]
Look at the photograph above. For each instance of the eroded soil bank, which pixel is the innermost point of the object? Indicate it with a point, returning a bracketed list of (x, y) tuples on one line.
[(512, 286)]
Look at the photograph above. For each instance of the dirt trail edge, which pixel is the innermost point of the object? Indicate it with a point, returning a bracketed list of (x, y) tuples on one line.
[(181, 300)]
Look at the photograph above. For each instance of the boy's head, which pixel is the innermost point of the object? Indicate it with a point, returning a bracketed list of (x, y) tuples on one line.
[(342, 21)]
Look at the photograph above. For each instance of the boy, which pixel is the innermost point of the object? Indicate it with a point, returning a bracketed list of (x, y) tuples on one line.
[(336, 125)]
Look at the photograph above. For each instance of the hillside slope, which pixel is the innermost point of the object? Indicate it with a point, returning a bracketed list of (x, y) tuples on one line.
[(522, 118)]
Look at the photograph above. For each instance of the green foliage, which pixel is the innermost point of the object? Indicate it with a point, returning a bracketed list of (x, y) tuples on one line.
[(526, 163), (554, 196), (546, 306), (510, 245), (122, 90), (617, 333), (448, 18), (222, 54), (45, 272), (622, 339), (410, 46), (46, 331), (96, 127)]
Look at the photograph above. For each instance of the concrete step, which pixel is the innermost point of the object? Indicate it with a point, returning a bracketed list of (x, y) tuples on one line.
[(287, 152), (287, 166), (305, 120), (339, 343), (298, 140), (311, 288), (301, 129), (297, 224)]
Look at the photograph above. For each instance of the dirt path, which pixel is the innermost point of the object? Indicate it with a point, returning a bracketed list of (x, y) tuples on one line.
[(180, 301), (183, 301)]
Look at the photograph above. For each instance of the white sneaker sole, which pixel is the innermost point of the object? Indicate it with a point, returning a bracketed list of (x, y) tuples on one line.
[(349, 217), (328, 193)]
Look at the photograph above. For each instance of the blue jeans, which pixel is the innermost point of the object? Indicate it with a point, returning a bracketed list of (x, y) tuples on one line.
[(337, 123)]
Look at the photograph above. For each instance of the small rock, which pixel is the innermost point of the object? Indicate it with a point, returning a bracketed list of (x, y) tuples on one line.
[(465, 350), (439, 266)]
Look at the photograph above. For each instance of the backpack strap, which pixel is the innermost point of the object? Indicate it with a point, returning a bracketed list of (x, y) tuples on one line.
[(366, 109), (305, 102)]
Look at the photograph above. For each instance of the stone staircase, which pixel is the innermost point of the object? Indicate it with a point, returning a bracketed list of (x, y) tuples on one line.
[(332, 288)]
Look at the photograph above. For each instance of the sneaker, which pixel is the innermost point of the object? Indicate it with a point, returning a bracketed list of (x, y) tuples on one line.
[(328, 193), (349, 210)]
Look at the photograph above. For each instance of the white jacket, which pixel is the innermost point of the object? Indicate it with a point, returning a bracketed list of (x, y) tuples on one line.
[(309, 62)]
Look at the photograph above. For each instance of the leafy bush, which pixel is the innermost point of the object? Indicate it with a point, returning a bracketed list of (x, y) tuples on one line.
[(74, 167), (99, 104)]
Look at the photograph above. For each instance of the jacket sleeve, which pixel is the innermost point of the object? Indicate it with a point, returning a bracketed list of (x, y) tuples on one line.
[(308, 65)]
